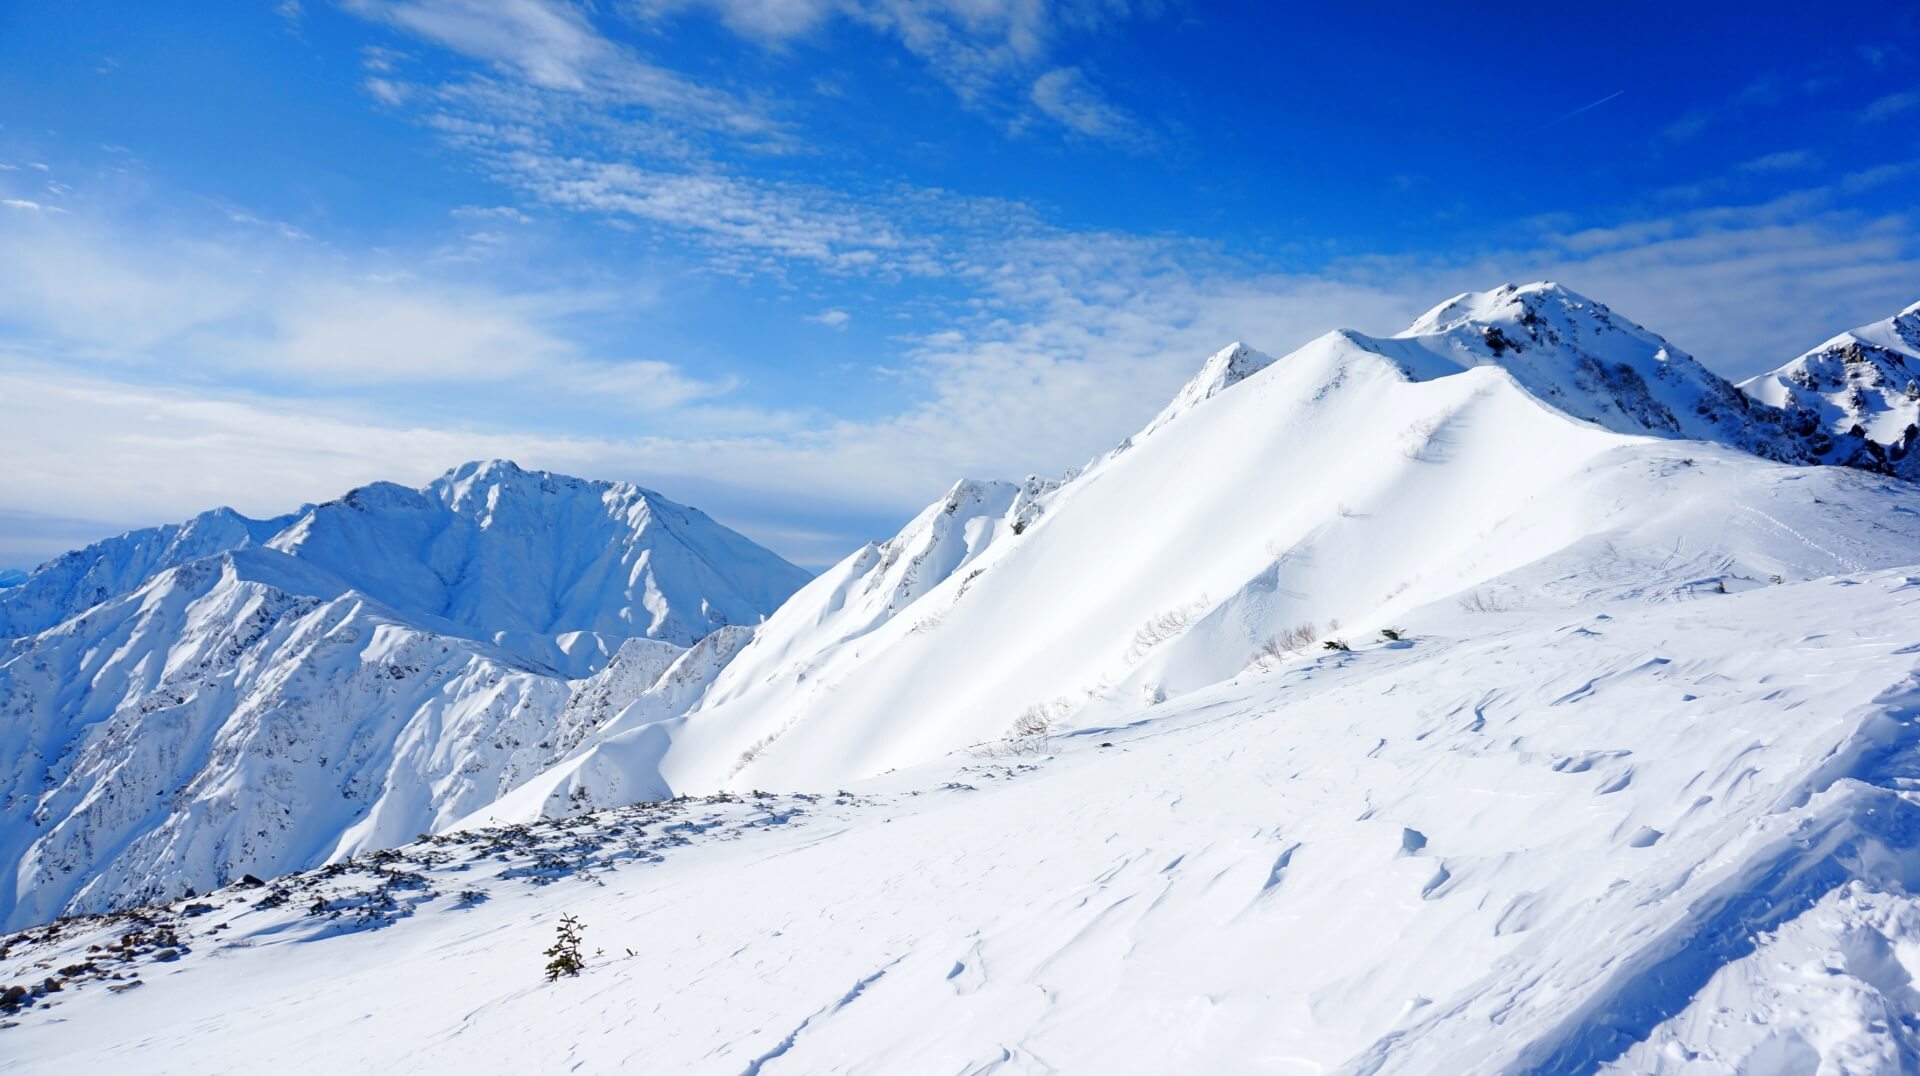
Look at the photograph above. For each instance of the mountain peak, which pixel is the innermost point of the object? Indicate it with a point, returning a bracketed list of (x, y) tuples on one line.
[(1540, 309), (1867, 378), (1223, 370), (487, 468)]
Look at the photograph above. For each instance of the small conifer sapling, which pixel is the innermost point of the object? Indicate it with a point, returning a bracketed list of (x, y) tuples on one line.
[(564, 958)]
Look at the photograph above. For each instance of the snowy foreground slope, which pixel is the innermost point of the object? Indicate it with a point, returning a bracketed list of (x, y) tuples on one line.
[(199, 702), (1653, 828), (1066, 777)]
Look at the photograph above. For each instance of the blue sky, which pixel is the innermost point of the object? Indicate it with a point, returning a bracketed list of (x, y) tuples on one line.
[(805, 262)]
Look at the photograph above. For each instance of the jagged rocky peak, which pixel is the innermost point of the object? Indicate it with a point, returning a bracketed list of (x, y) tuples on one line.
[(1866, 379)]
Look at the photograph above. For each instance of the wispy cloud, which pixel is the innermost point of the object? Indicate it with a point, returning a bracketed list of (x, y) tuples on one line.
[(1067, 96), (1792, 160), (994, 55), (552, 46), (1070, 340), (1760, 92), (275, 311), (1893, 104)]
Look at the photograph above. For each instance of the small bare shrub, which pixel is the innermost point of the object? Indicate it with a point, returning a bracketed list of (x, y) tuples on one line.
[(1417, 439), (1030, 734), (1276, 649), (1165, 626), (1482, 601)]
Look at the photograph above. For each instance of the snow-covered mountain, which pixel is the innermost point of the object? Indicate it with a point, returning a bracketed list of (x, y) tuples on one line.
[(75, 582), (277, 694), (1274, 504), (1866, 379), (1511, 694)]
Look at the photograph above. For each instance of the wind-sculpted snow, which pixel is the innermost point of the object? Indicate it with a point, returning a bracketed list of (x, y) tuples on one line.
[(1665, 831), (266, 707)]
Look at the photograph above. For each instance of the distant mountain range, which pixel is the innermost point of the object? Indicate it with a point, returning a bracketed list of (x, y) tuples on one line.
[(185, 704)]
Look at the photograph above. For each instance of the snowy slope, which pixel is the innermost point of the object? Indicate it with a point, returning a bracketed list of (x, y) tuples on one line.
[(1342, 484), (1868, 377), (1654, 829), (380, 667), (1068, 778)]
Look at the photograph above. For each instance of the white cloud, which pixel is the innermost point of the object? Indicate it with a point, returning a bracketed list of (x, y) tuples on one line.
[(1792, 160), (387, 91), (988, 52), (1879, 175), (832, 319), (1070, 98), (493, 212), (144, 299), (552, 46), (1893, 104), (1073, 342)]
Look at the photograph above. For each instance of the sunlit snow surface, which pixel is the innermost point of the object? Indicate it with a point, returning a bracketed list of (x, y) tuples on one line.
[(1663, 835), (1065, 777)]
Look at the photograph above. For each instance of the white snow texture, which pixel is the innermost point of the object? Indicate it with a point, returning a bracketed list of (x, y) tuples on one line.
[(1512, 694)]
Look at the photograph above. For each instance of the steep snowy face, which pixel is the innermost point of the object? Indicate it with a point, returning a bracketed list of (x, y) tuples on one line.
[(1325, 493), (275, 694), (224, 720), (77, 581), (1867, 378), (218, 721), (508, 552)]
